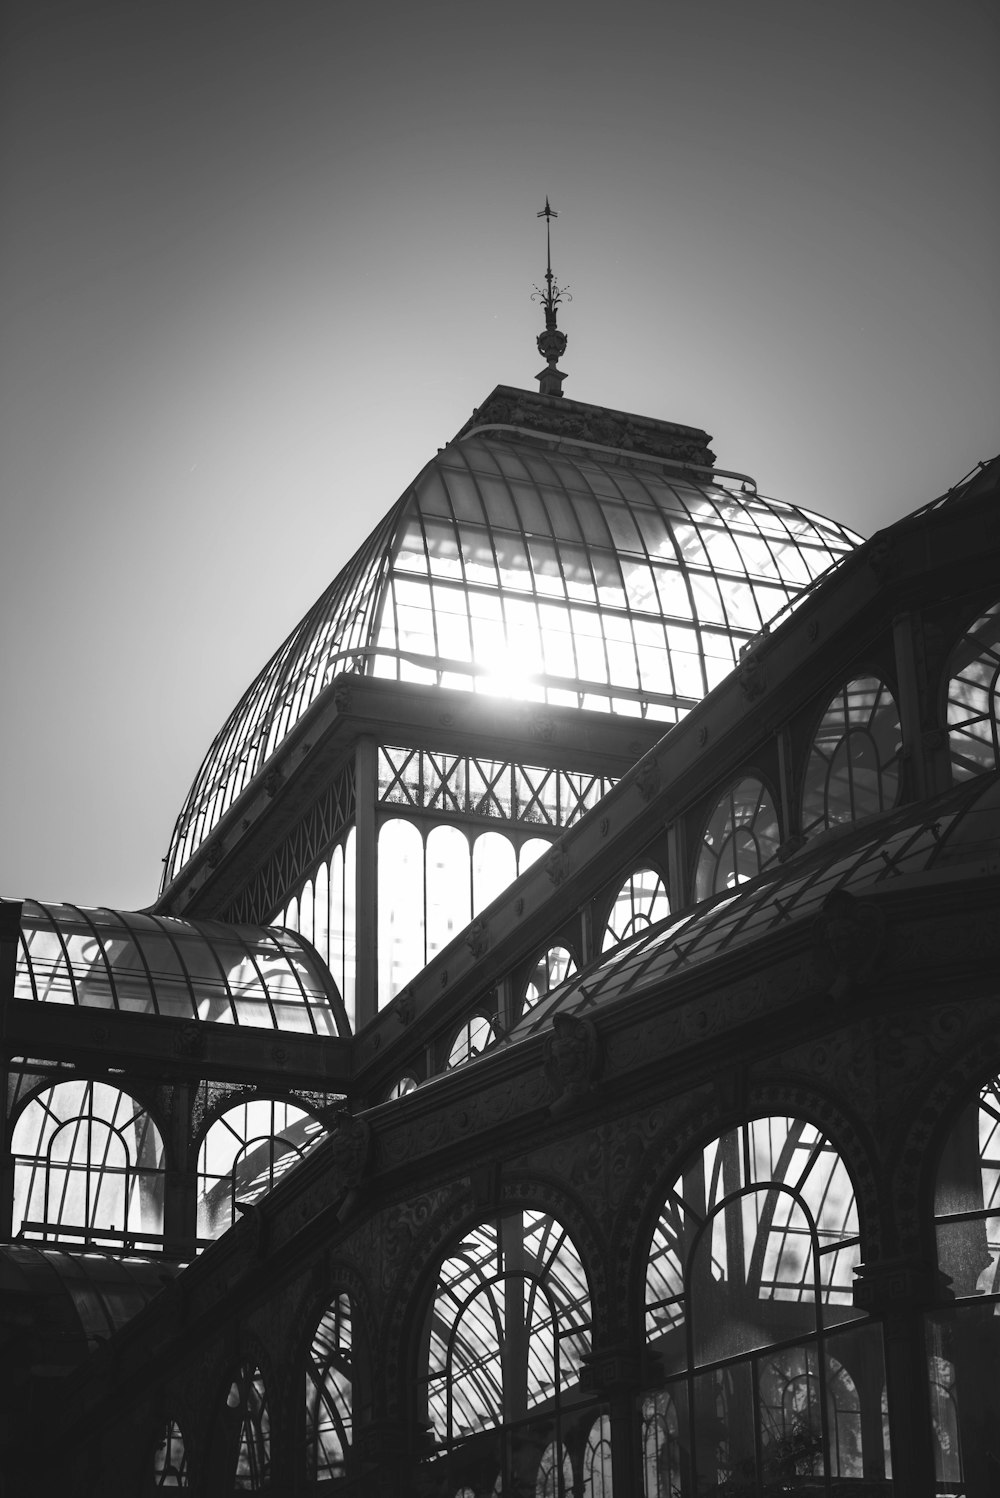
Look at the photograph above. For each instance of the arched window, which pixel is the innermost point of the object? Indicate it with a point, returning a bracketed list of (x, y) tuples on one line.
[(494, 866), (170, 1459), (247, 1406), (449, 888), (428, 891), (741, 838), (401, 915), (402, 1088), (548, 972), (641, 902), (974, 698), (504, 1341), (963, 1341), (472, 1039), (244, 1153), (324, 912), (597, 1460), (853, 766), (330, 1393), (771, 1376), (555, 1473), (88, 1164)]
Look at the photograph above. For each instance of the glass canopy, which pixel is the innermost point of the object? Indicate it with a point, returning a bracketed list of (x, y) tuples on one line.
[(149, 964), (105, 1290), (552, 573), (950, 831)]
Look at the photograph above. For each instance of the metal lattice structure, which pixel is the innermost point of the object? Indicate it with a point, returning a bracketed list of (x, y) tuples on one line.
[(551, 573), (138, 963)]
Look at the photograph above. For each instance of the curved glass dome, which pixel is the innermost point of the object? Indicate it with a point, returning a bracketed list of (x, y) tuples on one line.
[(549, 571), (137, 963)]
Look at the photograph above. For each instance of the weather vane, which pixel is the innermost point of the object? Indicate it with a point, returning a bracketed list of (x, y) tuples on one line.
[(551, 343)]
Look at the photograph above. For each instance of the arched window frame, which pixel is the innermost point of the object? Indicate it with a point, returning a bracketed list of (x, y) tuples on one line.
[(330, 1383), (645, 906), (311, 1125), (878, 723), (826, 1431), (170, 1464), (473, 1036), (249, 1426), (548, 970), (142, 1176), (971, 692), (745, 813), (477, 1410)]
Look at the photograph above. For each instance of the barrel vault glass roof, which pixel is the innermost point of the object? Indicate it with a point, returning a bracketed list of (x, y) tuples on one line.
[(957, 834), (553, 573), (136, 963)]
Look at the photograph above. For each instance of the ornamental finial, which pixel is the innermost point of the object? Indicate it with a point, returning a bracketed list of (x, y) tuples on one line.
[(551, 343)]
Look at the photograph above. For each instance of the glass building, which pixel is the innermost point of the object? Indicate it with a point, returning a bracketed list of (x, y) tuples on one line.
[(561, 1059)]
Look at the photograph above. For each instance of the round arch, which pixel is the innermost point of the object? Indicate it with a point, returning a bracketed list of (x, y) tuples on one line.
[(88, 1161), (409, 1298), (852, 766), (638, 901), (684, 1136), (331, 1277), (739, 836), (242, 1147)]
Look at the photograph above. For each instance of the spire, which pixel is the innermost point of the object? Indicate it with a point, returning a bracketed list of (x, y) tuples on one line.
[(551, 343)]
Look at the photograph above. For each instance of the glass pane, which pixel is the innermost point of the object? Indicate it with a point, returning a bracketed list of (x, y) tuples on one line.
[(401, 935)]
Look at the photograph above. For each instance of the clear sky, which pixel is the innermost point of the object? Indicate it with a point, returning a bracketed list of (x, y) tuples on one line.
[(258, 260)]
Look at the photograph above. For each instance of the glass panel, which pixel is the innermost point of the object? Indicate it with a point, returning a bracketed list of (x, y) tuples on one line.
[(494, 866), (597, 1460), (449, 886), (853, 768), (508, 1327), (741, 839), (329, 1393), (974, 698), (88, 1165), (967, 1198), (253, 1459), (440, 577), (963, 1366), (141, 963), (401, 933), (639, 904), (551, 969), (244, 1153), (472, 1039), (170, 1459)]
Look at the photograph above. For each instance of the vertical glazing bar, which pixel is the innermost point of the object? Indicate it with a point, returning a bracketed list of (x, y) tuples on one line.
[(366, 797)]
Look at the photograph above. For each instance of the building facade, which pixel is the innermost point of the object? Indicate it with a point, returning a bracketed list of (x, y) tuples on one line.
[(563, 1056)]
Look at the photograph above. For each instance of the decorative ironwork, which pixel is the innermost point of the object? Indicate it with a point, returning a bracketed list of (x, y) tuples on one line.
[(552, 342), (498, 790), (295, 859)]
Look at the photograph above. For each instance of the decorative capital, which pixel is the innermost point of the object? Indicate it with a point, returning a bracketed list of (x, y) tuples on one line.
[(350, 1148), (573, 1060), (477, 937), (850, 939)]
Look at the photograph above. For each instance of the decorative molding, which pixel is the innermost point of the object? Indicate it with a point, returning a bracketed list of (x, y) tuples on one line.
[(477, 937), (849, 938), (557, 863), (647, 778), (573, 1060)]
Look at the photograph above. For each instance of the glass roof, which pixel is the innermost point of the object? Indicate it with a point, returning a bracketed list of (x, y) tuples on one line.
[(568, 576), (105, 1289), (955, 829), (137, 963)]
